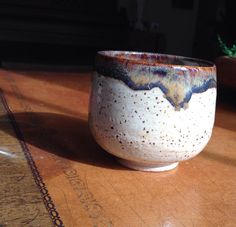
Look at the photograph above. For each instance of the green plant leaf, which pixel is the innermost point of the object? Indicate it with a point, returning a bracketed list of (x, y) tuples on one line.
[(225, 49)]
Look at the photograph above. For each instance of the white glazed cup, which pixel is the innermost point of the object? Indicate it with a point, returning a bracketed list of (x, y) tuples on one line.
[(150, 110)]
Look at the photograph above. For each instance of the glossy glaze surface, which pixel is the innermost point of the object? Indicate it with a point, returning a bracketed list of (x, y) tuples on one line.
[(152, 109), (177, 77), (142, 126)]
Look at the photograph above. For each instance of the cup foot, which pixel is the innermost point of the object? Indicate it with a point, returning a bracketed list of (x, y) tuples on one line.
[(148, 167)]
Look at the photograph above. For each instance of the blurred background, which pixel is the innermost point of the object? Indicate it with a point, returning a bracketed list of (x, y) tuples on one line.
[(70, 32)]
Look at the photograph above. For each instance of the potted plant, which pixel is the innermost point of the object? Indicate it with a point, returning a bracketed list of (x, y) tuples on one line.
[(226, 66)]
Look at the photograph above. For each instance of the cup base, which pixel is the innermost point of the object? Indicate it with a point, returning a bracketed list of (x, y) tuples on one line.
[(148, 167)]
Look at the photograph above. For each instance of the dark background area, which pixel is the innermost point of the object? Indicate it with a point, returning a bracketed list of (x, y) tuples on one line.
[(70, 32)]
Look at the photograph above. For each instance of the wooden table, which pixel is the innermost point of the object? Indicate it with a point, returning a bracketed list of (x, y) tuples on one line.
[(87, 186)]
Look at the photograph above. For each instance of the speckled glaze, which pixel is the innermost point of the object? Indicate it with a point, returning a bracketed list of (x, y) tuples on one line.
[(152, 110)]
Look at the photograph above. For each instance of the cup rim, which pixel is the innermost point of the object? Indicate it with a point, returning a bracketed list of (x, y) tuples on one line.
[(156, 59)]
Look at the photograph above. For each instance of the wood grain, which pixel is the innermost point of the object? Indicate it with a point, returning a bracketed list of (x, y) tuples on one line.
[(89, 188)]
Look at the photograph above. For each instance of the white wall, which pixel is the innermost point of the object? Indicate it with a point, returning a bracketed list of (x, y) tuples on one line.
[(178, 25)]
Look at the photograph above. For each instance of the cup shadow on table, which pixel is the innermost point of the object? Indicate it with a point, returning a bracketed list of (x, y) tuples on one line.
[(65, 136)]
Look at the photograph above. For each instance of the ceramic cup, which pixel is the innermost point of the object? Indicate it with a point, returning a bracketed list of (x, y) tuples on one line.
[(152, 110)]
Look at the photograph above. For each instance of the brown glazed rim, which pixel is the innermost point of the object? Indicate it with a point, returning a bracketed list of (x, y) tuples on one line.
[(140, 58)]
